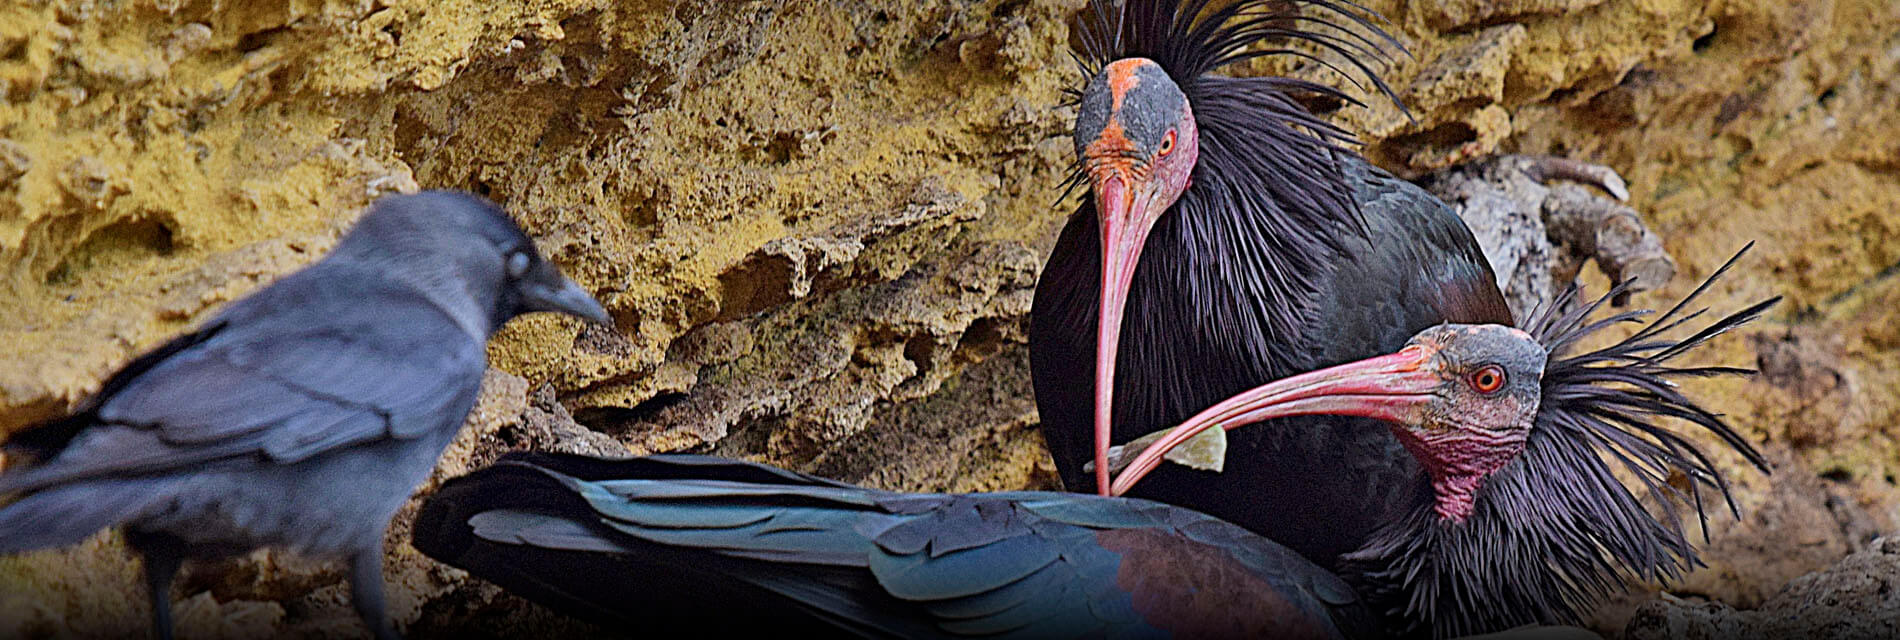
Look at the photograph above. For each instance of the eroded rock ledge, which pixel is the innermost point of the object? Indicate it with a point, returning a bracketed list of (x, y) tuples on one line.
[(817, 224)]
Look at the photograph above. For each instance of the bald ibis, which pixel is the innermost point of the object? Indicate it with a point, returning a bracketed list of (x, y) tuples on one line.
[(1518, 516), (1230, 237), (1511, 531)]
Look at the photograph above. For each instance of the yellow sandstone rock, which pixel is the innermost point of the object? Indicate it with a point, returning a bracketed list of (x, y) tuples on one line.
[(817, 225)]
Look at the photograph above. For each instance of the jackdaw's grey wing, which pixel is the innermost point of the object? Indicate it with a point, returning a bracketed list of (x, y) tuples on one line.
[(332, 357)]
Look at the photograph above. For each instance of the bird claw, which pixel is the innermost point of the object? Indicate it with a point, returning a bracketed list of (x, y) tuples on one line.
[(1547, 167)]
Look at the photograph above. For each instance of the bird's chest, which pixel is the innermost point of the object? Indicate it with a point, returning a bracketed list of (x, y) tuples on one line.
[(1188, 344)]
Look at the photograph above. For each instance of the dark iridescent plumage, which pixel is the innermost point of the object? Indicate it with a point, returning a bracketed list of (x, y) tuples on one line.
[(676, 541), (701, 546), (1520, 517), (1555, 531), (1286, 253)]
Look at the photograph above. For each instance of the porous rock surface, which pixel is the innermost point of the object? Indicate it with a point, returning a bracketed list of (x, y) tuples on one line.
[(1855, 599), (817, 226)]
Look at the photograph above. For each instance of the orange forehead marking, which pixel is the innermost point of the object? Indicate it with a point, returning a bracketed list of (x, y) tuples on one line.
[(1112, 139), (1106, 153), (1122, 78)]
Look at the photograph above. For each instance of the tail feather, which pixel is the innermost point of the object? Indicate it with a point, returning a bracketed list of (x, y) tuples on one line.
[(540, 530), (66, 515), (530, 529)]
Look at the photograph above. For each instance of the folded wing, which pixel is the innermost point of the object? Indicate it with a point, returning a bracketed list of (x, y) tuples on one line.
[(797, 552)]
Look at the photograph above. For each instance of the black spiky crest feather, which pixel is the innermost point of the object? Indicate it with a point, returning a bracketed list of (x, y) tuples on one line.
[(1555, 532), (1269, 169)]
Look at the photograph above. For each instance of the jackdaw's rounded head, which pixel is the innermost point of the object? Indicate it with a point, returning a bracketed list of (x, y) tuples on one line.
[(467, 255)]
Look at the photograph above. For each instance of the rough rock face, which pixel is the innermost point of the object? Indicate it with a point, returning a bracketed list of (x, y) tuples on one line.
[(817, 225), (1854, 599), (1538, 237)]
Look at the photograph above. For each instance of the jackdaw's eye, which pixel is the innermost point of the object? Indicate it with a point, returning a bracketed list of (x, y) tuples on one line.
[(518, 263)]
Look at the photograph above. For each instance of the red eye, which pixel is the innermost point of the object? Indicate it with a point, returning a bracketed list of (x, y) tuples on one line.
[(1167, 144), (1488, 380)]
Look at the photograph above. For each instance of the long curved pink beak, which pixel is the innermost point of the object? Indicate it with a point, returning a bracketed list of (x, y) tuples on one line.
[(1391, 387), (1122, 240)]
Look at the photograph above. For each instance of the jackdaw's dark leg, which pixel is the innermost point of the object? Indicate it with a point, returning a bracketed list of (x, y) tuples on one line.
[(366, 592), (162, 555)]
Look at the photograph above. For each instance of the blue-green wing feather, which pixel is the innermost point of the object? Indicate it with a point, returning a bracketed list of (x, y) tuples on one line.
[(875, 563)]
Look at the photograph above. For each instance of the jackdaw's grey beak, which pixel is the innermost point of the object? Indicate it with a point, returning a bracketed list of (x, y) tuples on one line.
[(566, 297)]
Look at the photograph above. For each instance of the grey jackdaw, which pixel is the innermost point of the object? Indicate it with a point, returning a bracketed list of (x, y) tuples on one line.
[(301, 416)]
